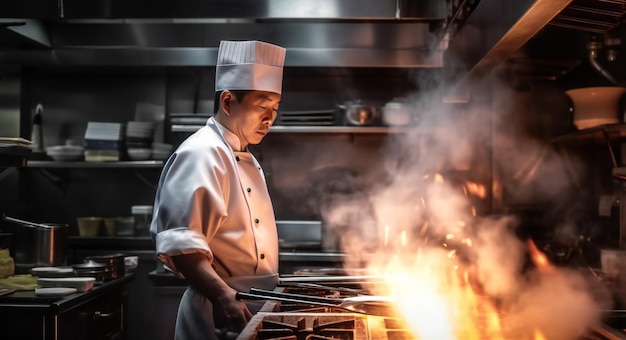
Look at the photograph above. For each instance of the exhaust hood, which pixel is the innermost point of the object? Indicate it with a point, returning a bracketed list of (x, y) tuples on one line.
[(464, 38), (324, 33)]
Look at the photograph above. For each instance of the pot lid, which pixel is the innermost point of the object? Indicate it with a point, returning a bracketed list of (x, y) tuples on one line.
[(89, 264)]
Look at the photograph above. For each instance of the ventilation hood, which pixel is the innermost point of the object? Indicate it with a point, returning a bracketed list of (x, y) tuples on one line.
[(464, 38), (322, 33)]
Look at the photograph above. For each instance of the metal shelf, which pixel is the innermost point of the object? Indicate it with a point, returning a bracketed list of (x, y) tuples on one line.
[(108, 165), (314, 129)]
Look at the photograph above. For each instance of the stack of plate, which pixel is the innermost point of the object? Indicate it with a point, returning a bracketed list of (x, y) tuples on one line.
[(47, 272), (103, 141), (81, 284), (139, 137)]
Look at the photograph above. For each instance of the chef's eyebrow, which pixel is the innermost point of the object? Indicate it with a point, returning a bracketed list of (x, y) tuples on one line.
[(267, 98)]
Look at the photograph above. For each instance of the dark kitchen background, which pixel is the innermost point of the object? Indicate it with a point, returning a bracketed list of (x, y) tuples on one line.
[(487, 76)]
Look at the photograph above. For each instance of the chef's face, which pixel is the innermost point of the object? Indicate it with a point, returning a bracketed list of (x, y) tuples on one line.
[(253, 115)]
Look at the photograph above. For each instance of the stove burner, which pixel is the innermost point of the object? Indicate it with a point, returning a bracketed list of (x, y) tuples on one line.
[(397, 330), (311, 327)]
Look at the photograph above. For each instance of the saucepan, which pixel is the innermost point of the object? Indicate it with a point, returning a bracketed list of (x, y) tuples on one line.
[(37, 244), (364, 304)]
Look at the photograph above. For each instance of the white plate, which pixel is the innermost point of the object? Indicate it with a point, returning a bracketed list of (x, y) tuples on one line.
[(81, 284), (52, 271), (54, 292)]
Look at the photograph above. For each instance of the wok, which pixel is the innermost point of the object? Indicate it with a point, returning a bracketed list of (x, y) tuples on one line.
[(364, 304)]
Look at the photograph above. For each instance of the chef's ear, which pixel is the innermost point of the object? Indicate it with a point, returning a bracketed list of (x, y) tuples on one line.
[(225, 99)]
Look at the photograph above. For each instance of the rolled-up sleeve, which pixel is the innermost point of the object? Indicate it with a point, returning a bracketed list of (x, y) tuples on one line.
[(190, 202)]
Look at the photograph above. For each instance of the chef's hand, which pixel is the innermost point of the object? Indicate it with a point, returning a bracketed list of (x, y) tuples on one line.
[(234, 313), (229, 313)]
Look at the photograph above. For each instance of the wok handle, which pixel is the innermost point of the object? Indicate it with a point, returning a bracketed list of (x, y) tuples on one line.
[(257, 296), (296, 296)]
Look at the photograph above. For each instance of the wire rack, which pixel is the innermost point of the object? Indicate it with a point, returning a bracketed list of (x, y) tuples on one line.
[(596, 16)]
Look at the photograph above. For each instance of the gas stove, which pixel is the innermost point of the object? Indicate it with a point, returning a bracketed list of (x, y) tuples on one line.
[(325, 325), (301, 321)]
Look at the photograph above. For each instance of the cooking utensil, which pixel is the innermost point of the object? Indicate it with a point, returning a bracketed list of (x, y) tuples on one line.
[(319, 286), (364, 304), (396, 113), (27, 223), (332, 279), (37, 244), (6, 291), (115, 264), (360, 114), (94, 269)]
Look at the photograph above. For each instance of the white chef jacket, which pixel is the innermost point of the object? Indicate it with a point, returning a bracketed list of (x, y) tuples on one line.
[(212, 199)]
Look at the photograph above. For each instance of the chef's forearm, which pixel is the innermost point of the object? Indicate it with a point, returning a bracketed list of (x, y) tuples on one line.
[(201, 276)]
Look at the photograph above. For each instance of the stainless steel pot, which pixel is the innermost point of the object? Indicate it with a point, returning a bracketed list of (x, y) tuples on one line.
[(37, 244), (115, 264), (360, 114)]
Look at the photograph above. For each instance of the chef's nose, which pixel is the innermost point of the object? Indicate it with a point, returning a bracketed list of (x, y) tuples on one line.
[(268, 119)]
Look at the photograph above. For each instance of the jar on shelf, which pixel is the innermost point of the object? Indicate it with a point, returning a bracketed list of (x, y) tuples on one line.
[(143, 218)]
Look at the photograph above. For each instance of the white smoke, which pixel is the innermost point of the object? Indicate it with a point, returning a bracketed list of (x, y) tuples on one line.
[(457, 142)]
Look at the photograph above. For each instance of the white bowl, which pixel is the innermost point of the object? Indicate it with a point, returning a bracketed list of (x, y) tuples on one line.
[(396, 114), (161, 156), (595, 106), (138, 154), (162, 147), (65, 152), (66, 149), (81, 284)]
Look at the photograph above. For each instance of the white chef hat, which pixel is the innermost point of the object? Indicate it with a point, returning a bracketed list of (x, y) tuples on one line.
[(249, 65)]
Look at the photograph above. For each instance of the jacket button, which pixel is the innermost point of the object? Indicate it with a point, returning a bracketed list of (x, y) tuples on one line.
[(262, 256), (237, 158), (256, 220), (248, 190)]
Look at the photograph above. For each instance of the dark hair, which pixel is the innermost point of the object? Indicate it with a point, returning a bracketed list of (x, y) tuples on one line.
[(239, 94)]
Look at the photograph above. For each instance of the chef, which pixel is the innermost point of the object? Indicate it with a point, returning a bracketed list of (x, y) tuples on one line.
[(213, 222)]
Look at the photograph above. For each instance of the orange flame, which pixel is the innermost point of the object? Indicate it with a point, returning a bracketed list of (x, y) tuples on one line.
[(539, 259), (438, 178), (539, 335), (475, 189)]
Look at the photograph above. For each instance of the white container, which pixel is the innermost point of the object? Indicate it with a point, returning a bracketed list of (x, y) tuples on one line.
[(125, 226), (143, 219), (613, 263), (594, 106), (397, 114)]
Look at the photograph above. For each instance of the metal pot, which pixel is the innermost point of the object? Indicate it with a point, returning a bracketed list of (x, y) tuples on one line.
[(360, 114), (93, 269), (37, 244), (115, 264)]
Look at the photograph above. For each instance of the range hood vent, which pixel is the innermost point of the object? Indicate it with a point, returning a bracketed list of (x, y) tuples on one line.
[(323, 33)]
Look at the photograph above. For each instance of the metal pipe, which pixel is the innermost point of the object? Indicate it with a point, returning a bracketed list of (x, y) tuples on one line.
[(593, 48), (60, 9)]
